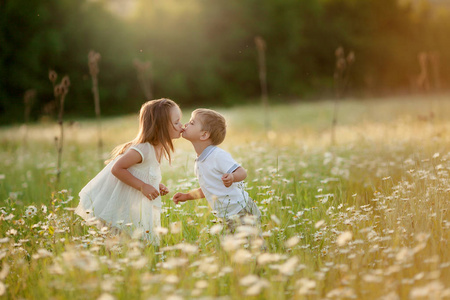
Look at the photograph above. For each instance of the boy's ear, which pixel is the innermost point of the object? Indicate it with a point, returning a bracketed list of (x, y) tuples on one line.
[(204, 136)]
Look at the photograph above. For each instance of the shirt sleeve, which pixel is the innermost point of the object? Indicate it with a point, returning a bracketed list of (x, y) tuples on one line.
[(141, 149), (225, 163)]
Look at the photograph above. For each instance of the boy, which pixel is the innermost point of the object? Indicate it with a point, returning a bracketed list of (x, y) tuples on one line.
[(217, 172)]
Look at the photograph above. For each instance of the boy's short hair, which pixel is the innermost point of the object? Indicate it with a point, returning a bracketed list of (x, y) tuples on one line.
[(212, 122)]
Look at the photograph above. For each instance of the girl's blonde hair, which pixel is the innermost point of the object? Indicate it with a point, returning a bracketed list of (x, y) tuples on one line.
[(154, 122)]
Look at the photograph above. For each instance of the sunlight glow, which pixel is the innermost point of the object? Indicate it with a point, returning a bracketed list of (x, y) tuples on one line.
[(123, 8)]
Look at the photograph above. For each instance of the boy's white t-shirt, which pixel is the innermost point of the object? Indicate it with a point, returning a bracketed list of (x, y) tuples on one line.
[(210, 165)]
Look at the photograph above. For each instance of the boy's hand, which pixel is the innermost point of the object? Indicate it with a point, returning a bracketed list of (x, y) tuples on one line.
[(163, 190), (180, 197), (228, 179)]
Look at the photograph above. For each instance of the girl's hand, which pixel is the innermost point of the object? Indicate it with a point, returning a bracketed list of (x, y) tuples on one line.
[(228, 179), (163, 190), (149, 191), (180, 197)]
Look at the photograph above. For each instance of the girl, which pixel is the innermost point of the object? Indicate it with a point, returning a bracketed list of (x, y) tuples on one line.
[(126, 193)]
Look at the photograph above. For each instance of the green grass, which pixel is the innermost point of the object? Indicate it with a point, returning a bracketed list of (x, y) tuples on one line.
[(364, 218)]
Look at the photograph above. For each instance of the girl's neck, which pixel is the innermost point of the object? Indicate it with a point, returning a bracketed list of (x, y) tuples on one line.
[(159, 152)]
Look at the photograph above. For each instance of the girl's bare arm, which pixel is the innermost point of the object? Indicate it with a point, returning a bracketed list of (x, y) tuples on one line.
[(120, 170)]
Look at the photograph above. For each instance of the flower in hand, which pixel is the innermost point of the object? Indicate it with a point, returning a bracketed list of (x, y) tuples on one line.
[(163, 190)]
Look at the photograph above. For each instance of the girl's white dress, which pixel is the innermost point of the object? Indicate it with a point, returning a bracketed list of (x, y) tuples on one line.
[(109, 200)]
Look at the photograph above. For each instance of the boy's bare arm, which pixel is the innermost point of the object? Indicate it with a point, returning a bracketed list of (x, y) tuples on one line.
[(191, 195), (238, 175)]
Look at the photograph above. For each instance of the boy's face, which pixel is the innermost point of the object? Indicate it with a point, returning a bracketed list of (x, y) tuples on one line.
[(193, 129)]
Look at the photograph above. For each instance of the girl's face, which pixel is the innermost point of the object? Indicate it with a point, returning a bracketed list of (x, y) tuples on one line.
[(175, 118)]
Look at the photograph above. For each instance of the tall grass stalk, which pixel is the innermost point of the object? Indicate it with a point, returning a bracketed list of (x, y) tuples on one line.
[(261, 49), (60, 92), (341, 79), (93, 59), (28, 100), (144, 75)]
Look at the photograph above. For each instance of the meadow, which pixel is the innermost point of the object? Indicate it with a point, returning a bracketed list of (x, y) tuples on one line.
[(364, 218)]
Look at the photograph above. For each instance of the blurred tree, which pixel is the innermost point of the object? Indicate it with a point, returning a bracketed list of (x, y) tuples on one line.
[(381, 34), (57, 34), (203, 52)]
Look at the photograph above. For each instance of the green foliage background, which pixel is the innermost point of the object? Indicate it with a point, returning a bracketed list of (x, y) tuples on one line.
[(202, 52)]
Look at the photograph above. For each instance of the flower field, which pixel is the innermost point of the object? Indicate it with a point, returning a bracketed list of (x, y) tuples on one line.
[(365, 217)]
